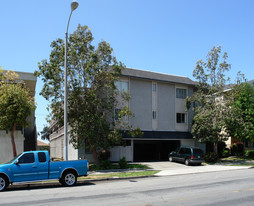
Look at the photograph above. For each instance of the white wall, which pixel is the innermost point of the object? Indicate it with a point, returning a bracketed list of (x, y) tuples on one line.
[(57, 146), (188, 142), (119, 152), (6, 153)]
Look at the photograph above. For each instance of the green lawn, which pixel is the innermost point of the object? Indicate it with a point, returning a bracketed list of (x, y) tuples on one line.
[(93, 167), (118, 175)]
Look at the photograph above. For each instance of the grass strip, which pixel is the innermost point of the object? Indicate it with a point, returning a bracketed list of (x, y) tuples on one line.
[(118, 175)]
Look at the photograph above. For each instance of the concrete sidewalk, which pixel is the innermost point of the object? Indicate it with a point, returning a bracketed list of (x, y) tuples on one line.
[(173, 168), (199, 169)]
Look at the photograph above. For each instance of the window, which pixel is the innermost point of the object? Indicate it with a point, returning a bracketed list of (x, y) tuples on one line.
[(180, 93), (122, 86), (154, 87), (180, 118), (154, 115), (41, 156), (26, 158), (117, 115)]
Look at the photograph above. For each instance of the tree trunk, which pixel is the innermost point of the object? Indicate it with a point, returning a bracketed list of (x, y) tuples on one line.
[(95, 156), (13, 141), (215, 149)]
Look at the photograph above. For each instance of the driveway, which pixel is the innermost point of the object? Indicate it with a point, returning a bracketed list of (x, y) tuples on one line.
[(173, 168)]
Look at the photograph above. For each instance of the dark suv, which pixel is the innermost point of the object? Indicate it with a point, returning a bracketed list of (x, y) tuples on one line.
[(187, 155)]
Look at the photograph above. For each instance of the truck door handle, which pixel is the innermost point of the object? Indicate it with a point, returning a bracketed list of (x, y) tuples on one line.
[(34, 166)]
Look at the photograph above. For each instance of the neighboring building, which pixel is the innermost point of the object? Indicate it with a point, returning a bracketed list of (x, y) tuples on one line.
[(42, 145), (158, 104), (249, 145), (25, 138)]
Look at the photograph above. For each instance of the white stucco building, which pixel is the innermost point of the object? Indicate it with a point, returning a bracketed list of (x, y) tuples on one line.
[(25, 138)]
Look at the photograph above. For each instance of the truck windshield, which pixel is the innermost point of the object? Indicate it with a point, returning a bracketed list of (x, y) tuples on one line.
[(11, 161)]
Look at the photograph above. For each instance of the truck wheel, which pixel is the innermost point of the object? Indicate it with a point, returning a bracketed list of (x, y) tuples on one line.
[(69, 178), (4, 182), (170, 159)]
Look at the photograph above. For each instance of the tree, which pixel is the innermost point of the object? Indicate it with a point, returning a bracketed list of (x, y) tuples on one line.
[(92, 98), (241, 122), (16, 104), (45, 133), (208, 123)]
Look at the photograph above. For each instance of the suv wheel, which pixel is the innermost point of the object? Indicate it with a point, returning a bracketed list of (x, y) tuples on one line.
[(187, 162)]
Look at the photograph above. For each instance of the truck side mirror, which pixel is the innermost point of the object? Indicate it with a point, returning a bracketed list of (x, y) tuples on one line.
[(16, 162)]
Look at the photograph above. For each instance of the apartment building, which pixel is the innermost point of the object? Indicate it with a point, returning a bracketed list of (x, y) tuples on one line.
[(158, 104)]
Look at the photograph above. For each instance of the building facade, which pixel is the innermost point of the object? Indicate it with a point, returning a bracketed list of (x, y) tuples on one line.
[(25, 138), (158, 104)]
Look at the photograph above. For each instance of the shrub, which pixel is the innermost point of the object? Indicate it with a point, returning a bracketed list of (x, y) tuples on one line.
[(211, 157), (225, 152), (237, 149), (105, 164), (123, 163), (249, 153), (221, 147), (104, 155)]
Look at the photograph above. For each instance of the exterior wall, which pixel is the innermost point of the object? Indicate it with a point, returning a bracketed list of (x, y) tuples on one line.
[(166, 107), (141, 104), (25, 140), (190, 112), (180, 108), (144, 101), (57, 146), (119, 152), (188, 142), (6, 145), (193, 143)]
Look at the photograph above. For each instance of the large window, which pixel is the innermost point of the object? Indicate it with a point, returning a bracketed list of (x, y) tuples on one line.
[(180, 93), (180, 118), (122, 86)]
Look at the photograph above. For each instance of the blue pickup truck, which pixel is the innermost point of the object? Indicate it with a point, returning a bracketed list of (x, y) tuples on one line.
[(36, 166)]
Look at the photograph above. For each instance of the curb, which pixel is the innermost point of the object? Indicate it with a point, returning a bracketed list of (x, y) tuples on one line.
[(79, 182)]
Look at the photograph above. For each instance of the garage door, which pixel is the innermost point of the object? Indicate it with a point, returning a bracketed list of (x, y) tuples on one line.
[(154, 150)]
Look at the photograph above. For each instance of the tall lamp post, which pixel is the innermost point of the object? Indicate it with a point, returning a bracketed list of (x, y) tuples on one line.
[(74, 5)]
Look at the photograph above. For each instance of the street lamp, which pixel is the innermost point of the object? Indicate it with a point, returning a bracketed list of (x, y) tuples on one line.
[(74, 5)]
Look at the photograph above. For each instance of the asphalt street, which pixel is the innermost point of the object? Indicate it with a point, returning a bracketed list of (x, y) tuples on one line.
[(230, 187)]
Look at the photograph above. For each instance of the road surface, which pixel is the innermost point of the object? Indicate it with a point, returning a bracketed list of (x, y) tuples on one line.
[(234, 187)]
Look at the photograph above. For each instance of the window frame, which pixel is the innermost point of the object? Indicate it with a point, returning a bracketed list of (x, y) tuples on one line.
[(181, 93), (181, 118)]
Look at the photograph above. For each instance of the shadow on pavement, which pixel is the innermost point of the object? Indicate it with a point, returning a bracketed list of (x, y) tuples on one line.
[(43, 186)]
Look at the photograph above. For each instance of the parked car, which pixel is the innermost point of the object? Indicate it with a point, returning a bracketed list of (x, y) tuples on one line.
[(187, 155), (36, 166)]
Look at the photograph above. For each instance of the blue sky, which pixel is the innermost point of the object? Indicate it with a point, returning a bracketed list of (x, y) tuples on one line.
[(167, 36)]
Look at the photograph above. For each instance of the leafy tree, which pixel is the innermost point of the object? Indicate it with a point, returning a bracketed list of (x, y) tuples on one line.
[(92, 98), (45, 133), (240, 123), (208, 122), (16, 104)]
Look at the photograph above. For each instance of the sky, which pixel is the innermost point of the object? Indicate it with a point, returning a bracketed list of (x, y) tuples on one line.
[(166, 36)]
